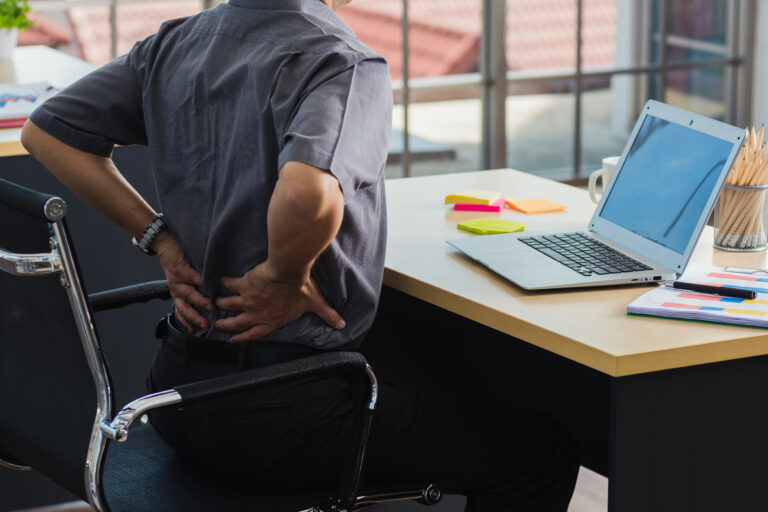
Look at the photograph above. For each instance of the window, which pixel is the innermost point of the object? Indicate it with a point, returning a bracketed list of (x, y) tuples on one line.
[(545, 86)]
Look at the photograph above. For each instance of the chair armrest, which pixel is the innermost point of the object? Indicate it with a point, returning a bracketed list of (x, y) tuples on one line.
[(119, 297), (320, 364), (326, 363)]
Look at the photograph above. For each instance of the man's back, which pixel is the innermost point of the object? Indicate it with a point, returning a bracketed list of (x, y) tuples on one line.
[(226, 98)]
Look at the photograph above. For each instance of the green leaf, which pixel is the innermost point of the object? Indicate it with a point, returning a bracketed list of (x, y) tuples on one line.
[(13, 14)]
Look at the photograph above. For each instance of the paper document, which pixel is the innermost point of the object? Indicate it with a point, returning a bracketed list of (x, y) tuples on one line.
[(17, 101), (670, 302)]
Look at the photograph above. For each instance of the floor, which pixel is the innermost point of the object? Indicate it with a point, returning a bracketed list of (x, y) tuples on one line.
[(591, 495)]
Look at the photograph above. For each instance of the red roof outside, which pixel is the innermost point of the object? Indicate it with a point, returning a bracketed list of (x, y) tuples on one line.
[(541, 34), (444, 37)]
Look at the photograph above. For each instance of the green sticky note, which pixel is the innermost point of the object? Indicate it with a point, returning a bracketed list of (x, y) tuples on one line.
[(491, 226)]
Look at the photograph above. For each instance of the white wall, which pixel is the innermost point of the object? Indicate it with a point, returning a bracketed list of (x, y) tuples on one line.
[(760, 84)]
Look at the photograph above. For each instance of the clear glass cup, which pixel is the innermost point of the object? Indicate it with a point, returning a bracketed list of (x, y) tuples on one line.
[(740, 219)]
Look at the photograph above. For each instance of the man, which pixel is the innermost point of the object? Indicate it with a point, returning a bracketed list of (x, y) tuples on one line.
[(267, 123)]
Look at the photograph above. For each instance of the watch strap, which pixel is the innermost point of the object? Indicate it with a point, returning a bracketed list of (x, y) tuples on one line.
[(153, 229)]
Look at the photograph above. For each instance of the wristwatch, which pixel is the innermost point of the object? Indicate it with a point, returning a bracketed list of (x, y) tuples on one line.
[(145, 242)]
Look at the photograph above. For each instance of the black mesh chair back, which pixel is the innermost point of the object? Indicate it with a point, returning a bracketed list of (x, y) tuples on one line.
[(47, 392), (56, 413)]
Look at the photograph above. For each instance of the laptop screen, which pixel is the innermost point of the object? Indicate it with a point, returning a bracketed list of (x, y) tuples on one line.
[(665, 182)]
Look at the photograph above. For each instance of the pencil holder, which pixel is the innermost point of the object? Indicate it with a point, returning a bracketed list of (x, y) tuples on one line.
[(740, 219)]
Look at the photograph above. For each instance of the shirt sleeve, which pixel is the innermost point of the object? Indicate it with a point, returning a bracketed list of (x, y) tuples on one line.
[(100, 110), (343, 125)]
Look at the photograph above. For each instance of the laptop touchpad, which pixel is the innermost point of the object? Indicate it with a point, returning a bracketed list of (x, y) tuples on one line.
[(517, 261)]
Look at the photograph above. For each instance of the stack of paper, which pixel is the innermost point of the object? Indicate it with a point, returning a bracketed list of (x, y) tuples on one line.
[(674, 303), (17, 101)]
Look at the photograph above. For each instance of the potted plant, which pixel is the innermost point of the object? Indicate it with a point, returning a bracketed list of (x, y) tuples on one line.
[(13, 16)]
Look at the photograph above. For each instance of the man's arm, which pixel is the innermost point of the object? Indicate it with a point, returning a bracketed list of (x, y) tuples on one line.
[(304, 215), (97, 181)]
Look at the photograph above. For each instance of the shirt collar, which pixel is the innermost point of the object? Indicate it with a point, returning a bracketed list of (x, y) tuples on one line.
[(308, 6)]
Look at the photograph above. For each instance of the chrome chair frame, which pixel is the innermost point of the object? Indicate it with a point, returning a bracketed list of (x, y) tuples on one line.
[(60, 261)]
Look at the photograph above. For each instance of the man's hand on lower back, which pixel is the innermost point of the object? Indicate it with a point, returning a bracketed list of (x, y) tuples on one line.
[(266, 303), (183, 281)]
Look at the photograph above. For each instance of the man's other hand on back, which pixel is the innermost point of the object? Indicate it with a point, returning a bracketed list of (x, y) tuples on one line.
[(266, 303)]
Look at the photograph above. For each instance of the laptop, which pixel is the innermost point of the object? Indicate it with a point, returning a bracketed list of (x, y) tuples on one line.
[(648, 220)]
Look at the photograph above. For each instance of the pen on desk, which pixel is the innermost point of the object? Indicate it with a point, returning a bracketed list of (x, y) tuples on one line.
[(725, 291)]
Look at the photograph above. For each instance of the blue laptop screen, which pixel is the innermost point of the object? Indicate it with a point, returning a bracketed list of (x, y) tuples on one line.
[(665, 182)]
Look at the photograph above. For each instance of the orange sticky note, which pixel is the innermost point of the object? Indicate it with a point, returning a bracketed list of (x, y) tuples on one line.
[(535, 205)]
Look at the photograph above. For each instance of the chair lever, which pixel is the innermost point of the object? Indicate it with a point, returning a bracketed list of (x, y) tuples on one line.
[(117, 429)]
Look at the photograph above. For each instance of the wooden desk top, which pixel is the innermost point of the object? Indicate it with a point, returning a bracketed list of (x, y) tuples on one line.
[(589, 326), (36, 64)]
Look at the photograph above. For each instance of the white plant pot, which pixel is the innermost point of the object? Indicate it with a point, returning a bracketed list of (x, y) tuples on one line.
[(8, 38)]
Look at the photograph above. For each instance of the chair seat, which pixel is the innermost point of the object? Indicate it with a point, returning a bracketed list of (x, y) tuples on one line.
[(144, 474)]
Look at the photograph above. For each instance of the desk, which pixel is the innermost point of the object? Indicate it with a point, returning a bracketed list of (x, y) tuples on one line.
[(673, 412)]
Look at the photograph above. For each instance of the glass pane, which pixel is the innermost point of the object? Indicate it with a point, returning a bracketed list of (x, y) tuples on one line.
[(704, 20), (444, 137), (608, 116), (541, 34), (698, 90), (91, 30), (696, 30), (377, 23), (540, 129), (444, 37), (599, 33)]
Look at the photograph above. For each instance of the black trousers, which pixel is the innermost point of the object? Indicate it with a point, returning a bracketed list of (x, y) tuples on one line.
[(297, 436)]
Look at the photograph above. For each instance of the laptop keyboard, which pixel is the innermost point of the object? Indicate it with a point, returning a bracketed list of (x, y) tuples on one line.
[(583, 254)]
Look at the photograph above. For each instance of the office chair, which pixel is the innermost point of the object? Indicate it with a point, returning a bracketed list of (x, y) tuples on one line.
[(56, 400)]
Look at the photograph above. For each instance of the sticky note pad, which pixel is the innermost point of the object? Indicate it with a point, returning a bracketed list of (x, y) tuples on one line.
[(472, 197), (535, 205), (490, 226), (495, 206)]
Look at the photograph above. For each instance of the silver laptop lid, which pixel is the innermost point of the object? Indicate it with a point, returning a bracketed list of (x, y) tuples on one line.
[(666, 183)]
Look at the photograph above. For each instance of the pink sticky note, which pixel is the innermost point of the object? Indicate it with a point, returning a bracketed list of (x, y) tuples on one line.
[(495, 206)]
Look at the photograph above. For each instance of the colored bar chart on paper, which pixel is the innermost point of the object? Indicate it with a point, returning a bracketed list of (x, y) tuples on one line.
[(17, 101), (666, 301)]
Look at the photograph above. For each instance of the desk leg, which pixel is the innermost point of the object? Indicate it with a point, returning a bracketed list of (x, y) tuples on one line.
[(691, 439)]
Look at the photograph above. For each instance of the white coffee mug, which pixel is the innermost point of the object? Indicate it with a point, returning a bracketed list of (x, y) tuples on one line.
[(609, 164)]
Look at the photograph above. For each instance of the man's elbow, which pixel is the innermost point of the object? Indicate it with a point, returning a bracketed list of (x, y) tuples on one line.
[(311, 188), (30, 137)]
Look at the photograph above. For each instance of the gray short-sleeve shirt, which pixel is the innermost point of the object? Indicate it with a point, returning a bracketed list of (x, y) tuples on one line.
[(223, 100)]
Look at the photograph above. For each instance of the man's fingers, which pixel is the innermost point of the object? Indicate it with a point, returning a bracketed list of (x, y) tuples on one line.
[(190, 294), (190, 275), (189, 315), (235, 323), (233, 303), (320, 306), (233, 284), (180, 317), (199, 300), (254, 333)]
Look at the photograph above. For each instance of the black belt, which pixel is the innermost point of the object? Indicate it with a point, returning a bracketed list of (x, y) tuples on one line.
[(247, 354)]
